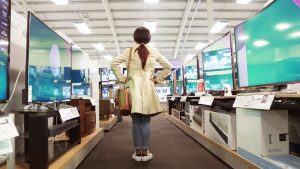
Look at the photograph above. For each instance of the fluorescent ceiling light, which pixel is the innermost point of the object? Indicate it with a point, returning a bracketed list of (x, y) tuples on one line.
[(243, 37), (99, 46), (3, 42), (151, 26), (60, 2), (200, 45), (151, 44), (282, 26), (75, 47), (295, 35), (83, 28), (261, 43), (218, 27), (243, 1), (107, 57), (151, 1)]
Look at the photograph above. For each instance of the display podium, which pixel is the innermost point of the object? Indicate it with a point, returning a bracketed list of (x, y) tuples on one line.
[(37, 150)]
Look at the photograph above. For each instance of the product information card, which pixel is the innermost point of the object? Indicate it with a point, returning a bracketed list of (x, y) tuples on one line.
[(68, 114), (206, 100), (260, 102), (7, 128)]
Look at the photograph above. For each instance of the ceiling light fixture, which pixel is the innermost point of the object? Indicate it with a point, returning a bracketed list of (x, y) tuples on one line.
[(107, 57), (151, 26), (243, 1), (243, 37), (83, 28), (151, 1), (218, 27), (200, 45), (60, 2), (99, 46)]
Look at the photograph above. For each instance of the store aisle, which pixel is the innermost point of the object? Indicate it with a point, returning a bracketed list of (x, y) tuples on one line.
[(171, 148)]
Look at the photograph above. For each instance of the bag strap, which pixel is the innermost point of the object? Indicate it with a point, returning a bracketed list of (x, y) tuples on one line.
[(129, 60)]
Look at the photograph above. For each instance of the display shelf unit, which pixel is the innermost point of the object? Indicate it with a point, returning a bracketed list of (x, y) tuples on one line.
[(38, 152), (282, 105)]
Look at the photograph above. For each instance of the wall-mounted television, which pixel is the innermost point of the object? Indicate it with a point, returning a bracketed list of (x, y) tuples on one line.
[(267, 46), (49, 59), (4, 48), (80, 68), (217, 64)]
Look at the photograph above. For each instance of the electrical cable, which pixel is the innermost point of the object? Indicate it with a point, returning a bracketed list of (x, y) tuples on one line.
[(14, 89)]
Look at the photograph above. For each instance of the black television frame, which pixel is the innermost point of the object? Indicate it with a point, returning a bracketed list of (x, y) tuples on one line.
[(8, 54), (232, 61), (26, 101), (236, 56)]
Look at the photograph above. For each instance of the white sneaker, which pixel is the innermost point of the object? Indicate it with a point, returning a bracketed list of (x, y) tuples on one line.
[(148, 157), (136, 158)]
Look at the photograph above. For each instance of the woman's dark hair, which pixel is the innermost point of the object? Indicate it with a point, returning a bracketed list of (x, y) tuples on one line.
[(142, 36)]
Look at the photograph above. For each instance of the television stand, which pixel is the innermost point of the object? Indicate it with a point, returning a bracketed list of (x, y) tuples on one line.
[(38, 152)]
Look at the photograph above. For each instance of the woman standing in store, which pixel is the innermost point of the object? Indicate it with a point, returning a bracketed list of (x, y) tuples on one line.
[(145, 102)]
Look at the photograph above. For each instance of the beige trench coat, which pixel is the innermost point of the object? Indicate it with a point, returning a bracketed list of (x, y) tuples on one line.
[(142, 88)]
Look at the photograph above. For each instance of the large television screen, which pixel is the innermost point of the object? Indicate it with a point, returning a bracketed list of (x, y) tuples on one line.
[(267, 45), (107, 75), (217, 64), (48, 63), (80, 69), (4, 48)]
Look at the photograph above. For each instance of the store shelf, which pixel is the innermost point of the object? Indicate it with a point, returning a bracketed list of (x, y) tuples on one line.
[(228, 156)]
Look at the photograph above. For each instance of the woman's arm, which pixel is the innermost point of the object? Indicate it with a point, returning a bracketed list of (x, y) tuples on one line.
[(167, 68), (116, 62)]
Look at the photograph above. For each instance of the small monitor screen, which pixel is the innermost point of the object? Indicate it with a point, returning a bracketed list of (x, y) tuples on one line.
[(81, 89), (49, 64), (217, 64)]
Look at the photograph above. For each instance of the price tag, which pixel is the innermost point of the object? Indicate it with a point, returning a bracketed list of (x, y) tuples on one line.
[(261, 102), (68, 114), (5, 147), (206, 100), (183, 98), (94, 102), (172, 98), (8, 129)]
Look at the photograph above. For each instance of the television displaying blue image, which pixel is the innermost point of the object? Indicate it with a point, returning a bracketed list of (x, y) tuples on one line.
[(81, 89), (105, 92), (4, 48), (48, 64), (107, 75), (79, 76), (191, 72), (191, 86), (217, 64)]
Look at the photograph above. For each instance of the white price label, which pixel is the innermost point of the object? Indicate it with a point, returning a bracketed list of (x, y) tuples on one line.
[(68, 114), (183, 98), (8, 129), (206, 100), (172, 98), (261, 102)]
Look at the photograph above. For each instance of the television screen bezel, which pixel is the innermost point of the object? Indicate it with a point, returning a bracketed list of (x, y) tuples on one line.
[(29, 14), (236, 55), (232, 60), (8, 55)]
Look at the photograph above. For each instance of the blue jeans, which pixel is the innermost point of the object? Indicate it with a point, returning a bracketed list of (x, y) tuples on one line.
[(141, 130)]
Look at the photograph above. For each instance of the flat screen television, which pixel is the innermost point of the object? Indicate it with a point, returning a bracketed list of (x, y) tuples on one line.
[(107, 75), (217, 64), (4, 48), (105, 91), (80, 69), (267, 46), (80, 76), (49, 59), (81, 89)]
